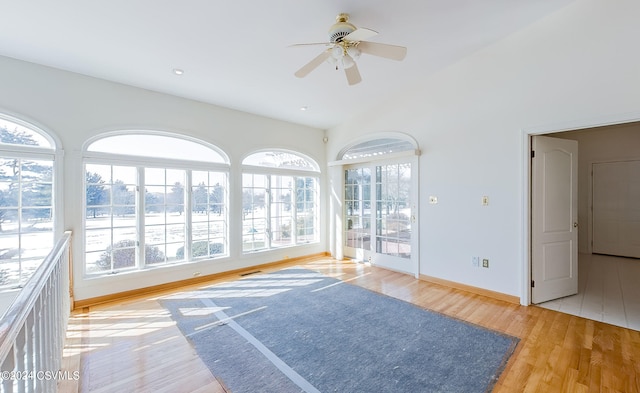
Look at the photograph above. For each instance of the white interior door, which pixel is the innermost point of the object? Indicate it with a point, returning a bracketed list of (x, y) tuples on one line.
[(616, 208), (554, 218)]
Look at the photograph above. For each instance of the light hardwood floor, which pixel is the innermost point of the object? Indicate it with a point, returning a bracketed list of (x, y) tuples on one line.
[(134, 346)]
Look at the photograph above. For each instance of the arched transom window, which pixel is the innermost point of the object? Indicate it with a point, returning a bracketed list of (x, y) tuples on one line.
[(377, 148), (152, 200), (279, 200)]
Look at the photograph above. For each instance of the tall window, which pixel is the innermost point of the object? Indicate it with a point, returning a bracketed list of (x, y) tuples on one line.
[(279, 200), (27, 158), (146, 205)]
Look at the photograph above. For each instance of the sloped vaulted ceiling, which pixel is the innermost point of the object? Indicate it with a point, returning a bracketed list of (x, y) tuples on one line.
[(235, 53)]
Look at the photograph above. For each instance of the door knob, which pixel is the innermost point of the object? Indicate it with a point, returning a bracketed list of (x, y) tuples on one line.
[(575, 224)]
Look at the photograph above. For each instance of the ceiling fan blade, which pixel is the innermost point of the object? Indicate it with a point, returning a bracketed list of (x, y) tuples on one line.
[(360, 34), (312, 65), (387, 51), (311, 43), (353, 75)]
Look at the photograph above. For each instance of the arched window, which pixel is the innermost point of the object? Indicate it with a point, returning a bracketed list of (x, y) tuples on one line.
[(27, 229), (279, 200), (377, 148), (153, 199)]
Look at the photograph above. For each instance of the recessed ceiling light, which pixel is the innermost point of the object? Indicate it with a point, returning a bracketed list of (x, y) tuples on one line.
[(304, 108), (178, 71)]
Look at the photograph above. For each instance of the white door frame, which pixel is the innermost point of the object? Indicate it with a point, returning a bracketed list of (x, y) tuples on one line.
[(336, 175), (554, 224), (525, 267), (412, 159)]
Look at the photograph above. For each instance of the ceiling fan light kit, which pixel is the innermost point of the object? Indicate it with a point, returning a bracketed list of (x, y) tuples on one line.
[(346, 43)]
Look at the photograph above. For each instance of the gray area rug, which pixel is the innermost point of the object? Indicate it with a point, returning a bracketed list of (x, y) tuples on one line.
[(297, 330)]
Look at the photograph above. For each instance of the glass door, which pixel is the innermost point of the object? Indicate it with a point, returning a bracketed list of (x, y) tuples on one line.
[(380, 211), (357, 213)]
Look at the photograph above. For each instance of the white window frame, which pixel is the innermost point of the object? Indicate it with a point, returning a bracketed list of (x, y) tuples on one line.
[(52, 153), (141, 163), (270, 172), (410, 153)]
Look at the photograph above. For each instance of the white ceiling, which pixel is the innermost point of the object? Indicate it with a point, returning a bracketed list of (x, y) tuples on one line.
[(235, 53)]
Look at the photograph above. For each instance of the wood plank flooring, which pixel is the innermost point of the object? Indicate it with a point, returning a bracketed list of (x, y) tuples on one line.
[(134, 346)]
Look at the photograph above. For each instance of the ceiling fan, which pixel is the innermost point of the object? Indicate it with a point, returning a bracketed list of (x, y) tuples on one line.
[(346, 43)]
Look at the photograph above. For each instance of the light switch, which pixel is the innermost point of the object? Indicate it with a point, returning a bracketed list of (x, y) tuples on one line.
[(433, 200), (485, 201)]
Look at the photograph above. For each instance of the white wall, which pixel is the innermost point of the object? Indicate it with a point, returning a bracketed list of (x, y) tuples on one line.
[(471, 121), (76, 108)]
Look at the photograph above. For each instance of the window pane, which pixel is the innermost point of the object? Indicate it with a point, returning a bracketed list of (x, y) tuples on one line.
[(97, 174), (26, 216), (38, 171), (378, 147), (155, 254), (306, 215), (36, 245), (280, 159), (165, 220), (200, 230), (91, 262), (154, 198), (175, 233), (125, 174), (124, 229), (97, 239), (110, 223), (9, 271), (12, 133), (9, 171), (254, 235), (98, 190), (155, 234), (281, 210), (358, 208), (154, 176), (120, 255), (209, 214), (254, 227), (34, 218), (393, 226), (157, 146)]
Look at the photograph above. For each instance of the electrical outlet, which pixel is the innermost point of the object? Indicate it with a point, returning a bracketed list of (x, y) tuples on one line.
[(485, 263), (475, 261)]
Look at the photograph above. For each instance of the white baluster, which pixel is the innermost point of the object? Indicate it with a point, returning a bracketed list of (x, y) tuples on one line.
[(33, 329)]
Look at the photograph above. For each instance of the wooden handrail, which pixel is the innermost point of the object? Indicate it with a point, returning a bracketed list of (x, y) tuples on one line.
[(16, 315)]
